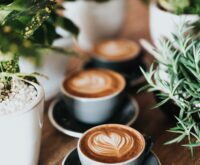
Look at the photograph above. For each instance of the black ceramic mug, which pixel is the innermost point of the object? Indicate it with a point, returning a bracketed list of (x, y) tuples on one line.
[(123, 56)]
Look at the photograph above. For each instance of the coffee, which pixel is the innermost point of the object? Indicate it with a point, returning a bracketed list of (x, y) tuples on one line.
[(112, 143), (117, 50), (94, 83)]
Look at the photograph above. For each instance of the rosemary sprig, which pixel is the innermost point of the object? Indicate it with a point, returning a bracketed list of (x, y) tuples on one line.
[(179, 60)]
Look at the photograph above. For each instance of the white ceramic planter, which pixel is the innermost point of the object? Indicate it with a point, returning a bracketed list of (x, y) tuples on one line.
[(163, 23), (54, 68), (21, 133), (96, 21)]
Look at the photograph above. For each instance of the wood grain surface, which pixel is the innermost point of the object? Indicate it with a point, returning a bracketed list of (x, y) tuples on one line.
[(56, 145)]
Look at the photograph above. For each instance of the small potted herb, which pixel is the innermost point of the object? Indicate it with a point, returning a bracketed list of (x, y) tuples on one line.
[(21, 114), (181, 85), (26, 30), (165, 15), (37, 21), (97, 19)]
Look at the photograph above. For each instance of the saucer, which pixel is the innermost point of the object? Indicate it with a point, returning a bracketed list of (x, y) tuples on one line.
[(134, 79), (73, 159), (63, 121)]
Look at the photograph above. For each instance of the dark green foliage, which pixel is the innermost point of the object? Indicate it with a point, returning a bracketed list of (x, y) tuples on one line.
[(67, 24), (181, 6), (10, 66), (7, 68), (28, 26)]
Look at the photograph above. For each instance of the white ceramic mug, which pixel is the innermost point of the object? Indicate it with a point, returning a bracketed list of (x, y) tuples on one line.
[(21, 133), (93, 110)]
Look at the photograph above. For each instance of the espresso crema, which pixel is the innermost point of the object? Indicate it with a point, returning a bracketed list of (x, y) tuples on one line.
[(112, 144), (94, 83), (117, 50)]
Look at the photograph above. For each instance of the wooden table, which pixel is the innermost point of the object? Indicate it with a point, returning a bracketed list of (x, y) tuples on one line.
[(56, 145)]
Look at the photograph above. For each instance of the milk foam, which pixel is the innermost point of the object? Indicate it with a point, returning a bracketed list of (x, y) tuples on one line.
[(94, 83), (90, 83), (117, 50), (113, 49), (112, 144)]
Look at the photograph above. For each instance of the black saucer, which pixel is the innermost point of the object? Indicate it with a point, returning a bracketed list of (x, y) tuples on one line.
[(62, 120), (134, 77), (73, 159)]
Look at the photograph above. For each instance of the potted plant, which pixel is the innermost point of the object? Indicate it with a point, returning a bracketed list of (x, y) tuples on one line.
[(181, 59), (97, 19), (26, 29), (38, 21), (165, 15), (21, 113)]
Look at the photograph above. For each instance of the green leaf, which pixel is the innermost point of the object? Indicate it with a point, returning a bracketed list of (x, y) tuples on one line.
[(192, 145), (6, 2), (177, 139), (68, 25), (161, 103), (143, 88), (45, 34)]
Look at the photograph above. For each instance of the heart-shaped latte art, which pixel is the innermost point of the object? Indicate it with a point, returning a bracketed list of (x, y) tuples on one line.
[(111, 144)]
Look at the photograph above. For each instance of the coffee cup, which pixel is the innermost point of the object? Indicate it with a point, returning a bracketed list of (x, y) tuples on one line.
[(122, 55), (93, 95), (111, 144)]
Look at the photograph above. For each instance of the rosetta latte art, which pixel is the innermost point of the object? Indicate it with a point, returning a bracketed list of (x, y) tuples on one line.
[(117, 50), (113, 49), (94, 83), (90, 83), (113, 144)]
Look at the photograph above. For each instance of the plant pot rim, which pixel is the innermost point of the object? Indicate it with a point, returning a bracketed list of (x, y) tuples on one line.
[(37, 100), (154, 5)]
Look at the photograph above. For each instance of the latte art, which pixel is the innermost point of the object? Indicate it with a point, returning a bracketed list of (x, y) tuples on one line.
[(117, 50), (111, 144), (90, 83), (94, 83)]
